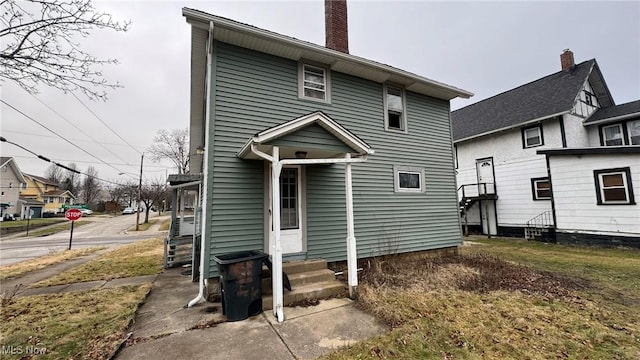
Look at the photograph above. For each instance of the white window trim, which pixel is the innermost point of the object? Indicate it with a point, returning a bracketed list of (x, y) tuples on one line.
[(327, 82), (625, 185), (524, 134), (604, 134), (407, 169), (405, 128), (535, 189), (629, 131)]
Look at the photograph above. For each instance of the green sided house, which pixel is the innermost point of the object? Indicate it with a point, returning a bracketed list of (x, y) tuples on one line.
[(309, 152)]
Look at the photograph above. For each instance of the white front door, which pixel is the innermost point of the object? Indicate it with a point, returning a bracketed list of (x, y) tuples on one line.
[(486, 183), (290, 210)]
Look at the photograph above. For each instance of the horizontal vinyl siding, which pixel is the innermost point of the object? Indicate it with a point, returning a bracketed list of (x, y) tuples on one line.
[(255, 91)]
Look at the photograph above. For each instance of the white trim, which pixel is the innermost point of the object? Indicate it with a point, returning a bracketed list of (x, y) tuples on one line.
[(397, 169), (264, 36), (403, 98), (352, 252), (613, 119), (518, 125), (291, 126), (603, 134), (625, 185), (535, 189), (525, 138), (326, 77)]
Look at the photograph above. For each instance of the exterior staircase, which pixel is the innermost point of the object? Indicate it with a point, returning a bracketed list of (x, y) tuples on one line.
[(310, 279), (540, 228)]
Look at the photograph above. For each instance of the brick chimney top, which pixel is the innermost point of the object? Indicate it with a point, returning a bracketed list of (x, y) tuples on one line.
[(566, 60), (335, 22)]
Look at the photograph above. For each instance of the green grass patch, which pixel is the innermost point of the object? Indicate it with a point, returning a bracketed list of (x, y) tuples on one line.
[(137, 259), (165, 225), (77, 325), (32, 222), (144, 226), (21, 268), (504, 300), (58, 228)]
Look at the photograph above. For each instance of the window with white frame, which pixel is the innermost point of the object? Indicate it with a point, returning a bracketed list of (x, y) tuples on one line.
[(613, 186), (532, 136), (541, 188), (314, 83), (633, 127), (395, 114), (612, 135), (408, 179)]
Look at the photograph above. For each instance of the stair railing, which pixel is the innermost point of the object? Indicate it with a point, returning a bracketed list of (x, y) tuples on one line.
[(538, 224)]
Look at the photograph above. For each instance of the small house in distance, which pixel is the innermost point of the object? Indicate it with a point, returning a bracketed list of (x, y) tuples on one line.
[(309, 152)]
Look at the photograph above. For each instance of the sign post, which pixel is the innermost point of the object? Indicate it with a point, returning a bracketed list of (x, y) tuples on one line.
[(72, 215)]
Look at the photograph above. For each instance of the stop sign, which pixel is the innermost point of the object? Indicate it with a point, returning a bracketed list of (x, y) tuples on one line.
[(73, 214)]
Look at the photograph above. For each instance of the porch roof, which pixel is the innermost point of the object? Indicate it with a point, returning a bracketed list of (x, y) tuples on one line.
[(263, 139)]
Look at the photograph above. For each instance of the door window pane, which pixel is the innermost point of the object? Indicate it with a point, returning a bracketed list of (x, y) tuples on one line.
[(288, 199)]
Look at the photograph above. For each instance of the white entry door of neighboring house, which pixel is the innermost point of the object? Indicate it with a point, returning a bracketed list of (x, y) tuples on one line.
[(484, 168)]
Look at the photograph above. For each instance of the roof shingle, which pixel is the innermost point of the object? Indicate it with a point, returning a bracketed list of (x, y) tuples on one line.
[(615, 111)]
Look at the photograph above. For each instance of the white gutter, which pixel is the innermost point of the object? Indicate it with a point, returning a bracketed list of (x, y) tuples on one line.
[(612, 119), (513, 126), (205, 168), (269, 35)]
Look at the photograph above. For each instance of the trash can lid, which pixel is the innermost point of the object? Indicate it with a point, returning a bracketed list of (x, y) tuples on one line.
[(239, 256)]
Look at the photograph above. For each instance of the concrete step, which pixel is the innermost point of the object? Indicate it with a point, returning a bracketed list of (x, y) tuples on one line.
[(301, 279), (310, 291), (298, 266)]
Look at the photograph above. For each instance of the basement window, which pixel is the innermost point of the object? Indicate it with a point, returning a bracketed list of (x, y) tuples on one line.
[(613, 186), (314, 83), (408, 179), (395, 114), (541, 188)]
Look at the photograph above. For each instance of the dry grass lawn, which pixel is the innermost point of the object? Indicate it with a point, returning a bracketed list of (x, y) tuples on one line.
[(17, 269), (504, 300), (136, 259), (77, 325)]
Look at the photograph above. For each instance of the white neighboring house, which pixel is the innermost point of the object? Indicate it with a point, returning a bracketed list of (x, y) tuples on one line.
[(11, 180), (553, 159)]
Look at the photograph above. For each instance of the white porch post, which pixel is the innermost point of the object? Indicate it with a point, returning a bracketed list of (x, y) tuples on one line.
[(276, 275), (352, 256)]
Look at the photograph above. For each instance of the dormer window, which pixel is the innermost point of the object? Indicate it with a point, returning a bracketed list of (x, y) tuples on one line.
[(395, 108), (314, 83)]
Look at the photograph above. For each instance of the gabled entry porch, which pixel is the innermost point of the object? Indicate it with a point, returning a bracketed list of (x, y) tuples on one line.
[(310, 140)]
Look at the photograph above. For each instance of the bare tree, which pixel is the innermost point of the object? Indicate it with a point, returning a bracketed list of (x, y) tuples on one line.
[(90, 186), (152, 195), (71, 179), (172, 145), (39, 45), (54, 173)]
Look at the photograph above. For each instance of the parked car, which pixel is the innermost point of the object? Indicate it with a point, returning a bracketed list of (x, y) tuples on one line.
[(8, 217), (128, 211), (86, 211)]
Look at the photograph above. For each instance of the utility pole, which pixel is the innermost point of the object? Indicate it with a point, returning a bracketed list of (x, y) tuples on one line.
[(139, 194)]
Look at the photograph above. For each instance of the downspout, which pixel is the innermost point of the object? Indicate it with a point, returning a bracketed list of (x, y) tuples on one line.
[(205, 168)]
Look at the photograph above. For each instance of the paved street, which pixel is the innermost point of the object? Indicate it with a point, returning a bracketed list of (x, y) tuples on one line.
[(103, 231)]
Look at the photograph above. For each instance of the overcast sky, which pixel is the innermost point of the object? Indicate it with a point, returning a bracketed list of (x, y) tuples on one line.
[(483, 47)]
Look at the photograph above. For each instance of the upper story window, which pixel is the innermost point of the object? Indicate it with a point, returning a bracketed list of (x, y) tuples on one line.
[(541, 188), (532, 136), (634, 132), (314, 83), (408, 179), (612, 135), (588, 98), (395, 114), (613, 186)]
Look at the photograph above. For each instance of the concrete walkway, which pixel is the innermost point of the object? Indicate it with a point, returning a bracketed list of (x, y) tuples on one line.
[(165, 329)]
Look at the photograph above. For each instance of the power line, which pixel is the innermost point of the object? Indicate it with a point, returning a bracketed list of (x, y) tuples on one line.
[(76, 127), (60, 136), (44, 158), (105, 124), (74, 139), (162, 168)]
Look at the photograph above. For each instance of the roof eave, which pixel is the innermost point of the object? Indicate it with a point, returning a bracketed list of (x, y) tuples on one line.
[(413, 82), (528, 122)]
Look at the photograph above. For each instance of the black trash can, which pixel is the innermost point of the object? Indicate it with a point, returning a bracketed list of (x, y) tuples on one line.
[(241, 283)]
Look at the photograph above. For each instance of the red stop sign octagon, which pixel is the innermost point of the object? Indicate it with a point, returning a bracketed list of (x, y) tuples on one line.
[(73, 214)]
